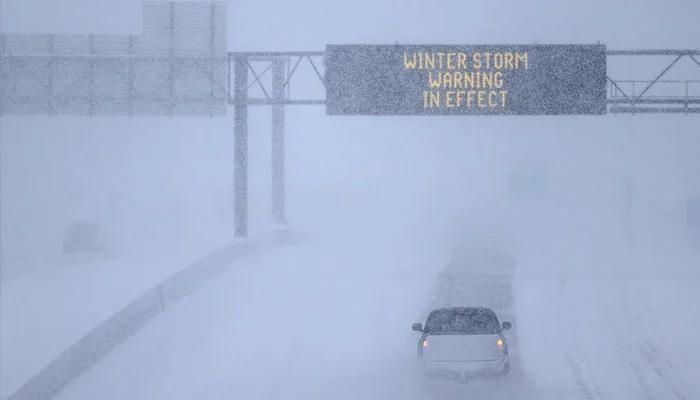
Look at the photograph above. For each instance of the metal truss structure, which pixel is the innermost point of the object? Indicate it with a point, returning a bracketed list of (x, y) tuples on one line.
[(624, 95), (656, 95), (250, 73), (251, 69), (176, 66)]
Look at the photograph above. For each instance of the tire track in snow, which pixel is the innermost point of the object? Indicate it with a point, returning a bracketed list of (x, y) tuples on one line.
[(640, 375), (589, 391), (581, 369), (660, 368), (577, 372), (650, 354), (625, 353)]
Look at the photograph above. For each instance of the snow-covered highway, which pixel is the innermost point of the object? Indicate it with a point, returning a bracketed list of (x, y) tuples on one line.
[(320, 320)]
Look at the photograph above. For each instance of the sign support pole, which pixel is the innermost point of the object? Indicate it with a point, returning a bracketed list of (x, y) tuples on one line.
[(278, 159), (240, 133)]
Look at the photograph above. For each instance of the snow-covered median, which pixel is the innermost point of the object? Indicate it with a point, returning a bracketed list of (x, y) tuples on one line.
[(47, 309)]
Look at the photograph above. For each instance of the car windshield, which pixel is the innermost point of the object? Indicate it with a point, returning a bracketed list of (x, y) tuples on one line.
[(469, 321)]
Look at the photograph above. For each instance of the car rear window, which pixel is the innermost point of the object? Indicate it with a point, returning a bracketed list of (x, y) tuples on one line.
[(469, 321)]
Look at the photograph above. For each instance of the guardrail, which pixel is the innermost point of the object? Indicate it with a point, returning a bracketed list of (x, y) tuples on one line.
[(79, 357)]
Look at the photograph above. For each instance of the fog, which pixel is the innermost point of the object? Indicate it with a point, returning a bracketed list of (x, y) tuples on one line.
[(607, 260)]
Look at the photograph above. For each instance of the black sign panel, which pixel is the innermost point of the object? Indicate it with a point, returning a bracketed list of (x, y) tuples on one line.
[(465, 80)]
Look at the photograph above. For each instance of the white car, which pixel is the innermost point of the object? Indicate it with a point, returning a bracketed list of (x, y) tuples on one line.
[(463, 342)]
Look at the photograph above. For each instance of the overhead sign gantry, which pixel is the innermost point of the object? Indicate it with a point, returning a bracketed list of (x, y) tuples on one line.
[(442, 80)]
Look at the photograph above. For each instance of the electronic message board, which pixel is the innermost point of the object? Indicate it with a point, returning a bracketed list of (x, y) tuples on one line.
[(465, 79)]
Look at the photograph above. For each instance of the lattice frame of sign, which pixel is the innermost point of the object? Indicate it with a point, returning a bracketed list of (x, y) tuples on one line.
[(178, 65)]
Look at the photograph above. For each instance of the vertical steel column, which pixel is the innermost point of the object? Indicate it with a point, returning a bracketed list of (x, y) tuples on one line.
[(240, 133), (212, 52), (278, 159), (3, 96), (15, 76), (171, 54), (50, 83), (91, 75), (131, 75)]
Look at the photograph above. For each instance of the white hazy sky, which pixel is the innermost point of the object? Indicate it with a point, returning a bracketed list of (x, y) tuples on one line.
[(310, 24)]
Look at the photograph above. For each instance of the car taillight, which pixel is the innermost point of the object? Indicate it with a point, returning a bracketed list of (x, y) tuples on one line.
[(501, 344)]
